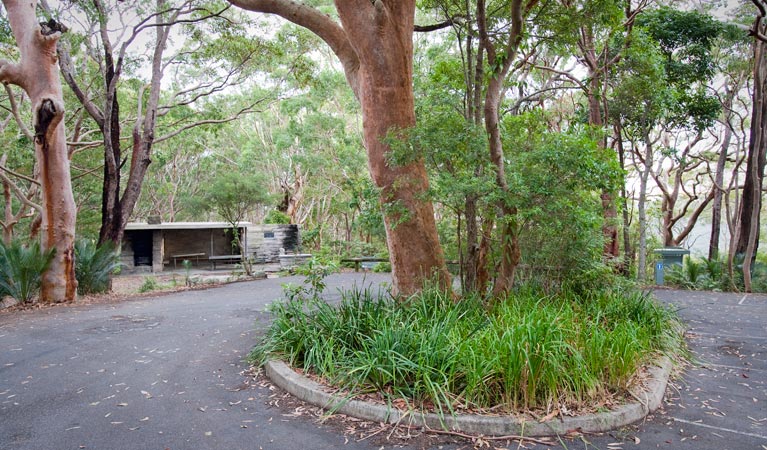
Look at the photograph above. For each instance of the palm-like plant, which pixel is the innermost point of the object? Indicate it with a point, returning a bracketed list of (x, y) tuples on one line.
[(21, 269), (94, 266)]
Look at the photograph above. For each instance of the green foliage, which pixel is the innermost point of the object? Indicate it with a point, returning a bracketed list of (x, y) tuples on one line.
[(95, 265), (555, 181), (278, 217), (233, 194), (665, 69), (712, 275), (382, 267), (524, 352), (21, 269), (150, 284), (314, 271)]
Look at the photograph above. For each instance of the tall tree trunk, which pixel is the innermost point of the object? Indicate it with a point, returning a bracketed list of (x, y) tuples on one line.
[(470, 258), (716, 207), (611, 251), (37, 73), (642, 209), (374, 44), (510, 251), (119, 197), (751, 203), (628, 257)]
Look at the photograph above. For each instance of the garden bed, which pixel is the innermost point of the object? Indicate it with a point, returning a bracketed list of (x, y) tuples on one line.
[(529, 356)]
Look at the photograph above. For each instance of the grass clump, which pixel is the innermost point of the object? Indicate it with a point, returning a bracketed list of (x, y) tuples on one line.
[(528, 351), (150, 284)]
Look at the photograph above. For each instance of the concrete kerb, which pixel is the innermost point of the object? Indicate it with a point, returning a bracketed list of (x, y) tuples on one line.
[(649, 398)]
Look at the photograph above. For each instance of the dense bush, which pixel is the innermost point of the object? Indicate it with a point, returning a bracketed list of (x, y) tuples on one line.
[(712, 275), (94, 266), (276, 217), (526, 351), (21, 270)]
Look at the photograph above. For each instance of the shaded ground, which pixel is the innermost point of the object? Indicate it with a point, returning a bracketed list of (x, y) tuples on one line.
[(165, 372)]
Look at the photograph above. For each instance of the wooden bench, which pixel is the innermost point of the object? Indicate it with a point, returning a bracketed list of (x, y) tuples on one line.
[(184, 256), (224, 259), (363, 259)]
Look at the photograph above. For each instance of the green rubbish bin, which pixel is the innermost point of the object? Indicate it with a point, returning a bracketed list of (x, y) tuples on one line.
[(668, 256)]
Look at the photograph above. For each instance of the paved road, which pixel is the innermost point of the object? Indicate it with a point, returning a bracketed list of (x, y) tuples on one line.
[(721, 400), (164, 373), (157, 373)]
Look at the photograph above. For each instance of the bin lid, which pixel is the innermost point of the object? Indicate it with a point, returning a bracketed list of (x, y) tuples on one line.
[(672, 251)]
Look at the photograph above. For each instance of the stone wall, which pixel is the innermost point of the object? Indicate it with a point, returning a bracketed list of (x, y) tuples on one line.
[(265, 241)]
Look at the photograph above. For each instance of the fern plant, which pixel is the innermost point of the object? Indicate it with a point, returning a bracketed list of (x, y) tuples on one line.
[(94, 266), (21, 269)]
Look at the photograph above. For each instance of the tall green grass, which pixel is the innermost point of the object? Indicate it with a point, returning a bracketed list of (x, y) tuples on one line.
[(527, 351)]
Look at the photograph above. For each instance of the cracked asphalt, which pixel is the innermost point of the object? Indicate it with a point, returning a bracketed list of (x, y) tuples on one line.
[(166, 373)]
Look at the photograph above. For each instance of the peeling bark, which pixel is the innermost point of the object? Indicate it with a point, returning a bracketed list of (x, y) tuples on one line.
[(37, 73)]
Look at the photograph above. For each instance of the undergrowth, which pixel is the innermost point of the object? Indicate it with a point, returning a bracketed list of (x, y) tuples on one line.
[(527, 352)]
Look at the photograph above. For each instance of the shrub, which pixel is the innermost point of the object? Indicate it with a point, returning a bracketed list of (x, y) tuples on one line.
[(150, 284), (526, 351), (276, 217), (382, 267), (95, 265), (21, 269)]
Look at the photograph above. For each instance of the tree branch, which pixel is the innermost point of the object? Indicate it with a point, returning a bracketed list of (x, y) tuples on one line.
[(318, 23), (15, 112), (455, 20), (235, 116)]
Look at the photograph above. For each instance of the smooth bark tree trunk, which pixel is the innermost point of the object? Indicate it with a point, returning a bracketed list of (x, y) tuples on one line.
[(119, 196), (751, 203), (716, 207), (374, 44), (470, 258), (642, 209), (37, 73), (611, 251), (628, 257), (510, 250)]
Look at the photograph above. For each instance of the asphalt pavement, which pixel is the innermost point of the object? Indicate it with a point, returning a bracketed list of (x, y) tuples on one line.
[(166, 372)]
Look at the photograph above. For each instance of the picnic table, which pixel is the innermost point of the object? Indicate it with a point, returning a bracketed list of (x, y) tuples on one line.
[(363, 259), (183, 256)]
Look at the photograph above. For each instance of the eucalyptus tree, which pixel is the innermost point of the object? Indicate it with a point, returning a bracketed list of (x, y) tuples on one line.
[(733, 62), (684, 187), (501, 39), (592, 29), (374, 44), (660, 88), (640, 98), (97, 60), (36, 73), (747, 237)]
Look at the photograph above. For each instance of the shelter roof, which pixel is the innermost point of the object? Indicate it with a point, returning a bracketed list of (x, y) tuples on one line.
[(140, 226)]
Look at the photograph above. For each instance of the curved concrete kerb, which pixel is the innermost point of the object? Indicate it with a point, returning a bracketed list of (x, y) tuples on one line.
[(649, 398)]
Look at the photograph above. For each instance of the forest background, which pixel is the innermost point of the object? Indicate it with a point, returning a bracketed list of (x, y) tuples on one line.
[(563, 140)]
